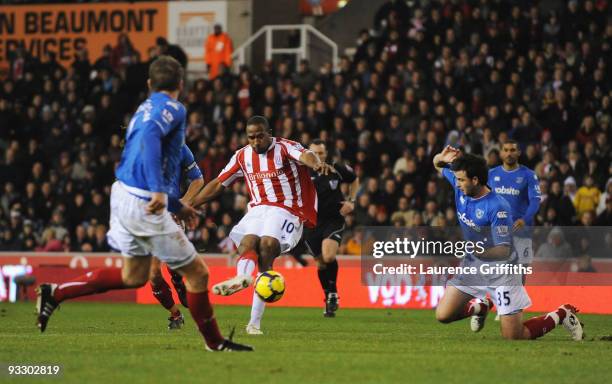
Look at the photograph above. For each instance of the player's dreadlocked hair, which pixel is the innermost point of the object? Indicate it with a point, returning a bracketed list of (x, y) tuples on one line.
[(165, 74), (474, 166)]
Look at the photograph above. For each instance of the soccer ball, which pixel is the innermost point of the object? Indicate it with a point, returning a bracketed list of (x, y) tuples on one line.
[(270, 286)]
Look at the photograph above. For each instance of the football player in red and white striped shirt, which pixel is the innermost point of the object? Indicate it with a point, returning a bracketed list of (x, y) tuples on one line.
[(283, 199)]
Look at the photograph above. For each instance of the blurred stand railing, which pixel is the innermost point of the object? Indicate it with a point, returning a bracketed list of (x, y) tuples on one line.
[(301, 51)]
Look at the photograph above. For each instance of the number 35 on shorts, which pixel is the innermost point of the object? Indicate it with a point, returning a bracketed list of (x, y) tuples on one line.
[(503, 298)]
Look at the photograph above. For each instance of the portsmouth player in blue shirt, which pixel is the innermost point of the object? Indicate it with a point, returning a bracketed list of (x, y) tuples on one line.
[(141, 201), (485, 216), (520, 187), (161, 290)]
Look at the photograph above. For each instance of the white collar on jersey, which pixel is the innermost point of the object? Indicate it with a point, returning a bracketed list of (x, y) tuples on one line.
[(271, 144)]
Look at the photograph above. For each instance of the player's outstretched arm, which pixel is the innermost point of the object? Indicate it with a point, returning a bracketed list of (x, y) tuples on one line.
[(194, 187), (309, 159), (209, 192), (447, 156)]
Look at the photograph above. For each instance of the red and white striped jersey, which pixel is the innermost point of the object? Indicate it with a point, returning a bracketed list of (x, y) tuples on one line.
[(275, 178)]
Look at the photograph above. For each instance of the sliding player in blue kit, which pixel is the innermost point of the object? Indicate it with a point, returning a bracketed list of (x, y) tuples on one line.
[(485, 216)]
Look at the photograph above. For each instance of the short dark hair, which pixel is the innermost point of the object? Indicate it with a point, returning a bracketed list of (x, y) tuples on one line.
[(259, 120), (474, 166), (319, 142), (511, 141), (165, 74)]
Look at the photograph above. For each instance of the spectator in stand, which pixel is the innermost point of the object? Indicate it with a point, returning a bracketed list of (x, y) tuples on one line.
[(555, 247), (50, 243), (587, 197), (218, 51), (123, 53), (173, 50)]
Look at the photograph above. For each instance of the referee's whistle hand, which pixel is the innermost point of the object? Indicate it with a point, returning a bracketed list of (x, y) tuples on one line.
[(325, 169)]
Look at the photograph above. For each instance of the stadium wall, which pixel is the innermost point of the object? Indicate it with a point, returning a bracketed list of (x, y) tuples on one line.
[(302, 284)]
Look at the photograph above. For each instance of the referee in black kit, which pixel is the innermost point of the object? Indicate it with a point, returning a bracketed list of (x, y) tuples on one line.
[(323, 240)]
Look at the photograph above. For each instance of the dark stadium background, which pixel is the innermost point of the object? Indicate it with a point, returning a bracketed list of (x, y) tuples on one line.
[(467, 73)]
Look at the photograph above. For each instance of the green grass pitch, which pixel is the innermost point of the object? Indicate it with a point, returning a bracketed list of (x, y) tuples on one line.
[(129, 343)]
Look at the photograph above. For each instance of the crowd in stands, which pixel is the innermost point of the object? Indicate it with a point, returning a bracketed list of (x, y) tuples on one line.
[(466, 73)]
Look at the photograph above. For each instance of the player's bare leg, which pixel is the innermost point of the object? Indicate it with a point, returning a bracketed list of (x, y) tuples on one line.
[(196, 282), (161, 291), (269, 249), (245, 267), (133, 274), (456, 305), (328, 275)]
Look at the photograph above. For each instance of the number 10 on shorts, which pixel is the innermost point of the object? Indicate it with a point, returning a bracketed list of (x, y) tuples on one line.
[(288, 226)]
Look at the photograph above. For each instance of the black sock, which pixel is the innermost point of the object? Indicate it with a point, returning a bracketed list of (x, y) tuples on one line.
[(175, 276), (322, 272), (332, 276)]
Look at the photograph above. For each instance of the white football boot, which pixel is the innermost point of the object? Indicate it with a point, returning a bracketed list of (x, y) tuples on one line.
[(233, 285), (253, 330), (477, 322), (571, 322)]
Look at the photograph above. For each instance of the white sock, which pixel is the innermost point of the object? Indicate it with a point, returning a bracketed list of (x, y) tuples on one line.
[(257, 310), (245, 267)]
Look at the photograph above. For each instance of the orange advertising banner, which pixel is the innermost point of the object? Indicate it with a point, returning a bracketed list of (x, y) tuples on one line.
[(303, 290), (302, 285), (62, 28)]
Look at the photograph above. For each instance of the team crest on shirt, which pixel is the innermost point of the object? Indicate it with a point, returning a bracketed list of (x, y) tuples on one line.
[(479, 213), (333, 184), (519, 180), (278, 160), (462, 199), (496, 178)]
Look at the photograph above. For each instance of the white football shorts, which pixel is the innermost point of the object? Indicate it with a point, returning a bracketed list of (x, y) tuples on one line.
[(506, 290), (272, 221), (134, 232)]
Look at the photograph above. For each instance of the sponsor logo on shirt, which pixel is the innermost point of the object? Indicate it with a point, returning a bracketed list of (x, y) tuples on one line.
[(265, 175), (507, 191), (469, 222)]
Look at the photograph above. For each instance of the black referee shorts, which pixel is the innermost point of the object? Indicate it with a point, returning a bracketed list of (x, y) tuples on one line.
[(327, 229)]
